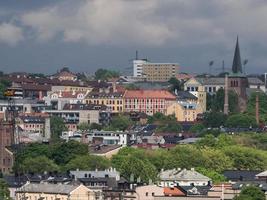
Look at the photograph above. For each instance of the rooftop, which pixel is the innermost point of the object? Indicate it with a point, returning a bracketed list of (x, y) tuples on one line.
[(49, 188), (149, 94)]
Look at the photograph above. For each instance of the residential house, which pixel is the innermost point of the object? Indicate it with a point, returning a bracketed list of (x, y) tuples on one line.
[(54, 192), (178, 177), (64, 75), (148, 192), (108, 137), (56, 100), (148, 101)]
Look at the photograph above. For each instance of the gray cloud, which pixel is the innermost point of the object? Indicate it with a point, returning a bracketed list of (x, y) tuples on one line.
[(190, 32), (10, 34)]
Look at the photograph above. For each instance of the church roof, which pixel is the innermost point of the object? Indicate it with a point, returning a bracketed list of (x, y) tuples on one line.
[(237, 63)]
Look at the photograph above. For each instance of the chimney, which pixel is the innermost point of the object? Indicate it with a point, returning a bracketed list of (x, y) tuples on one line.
[(114, 88), (257, 109), (226, 103)]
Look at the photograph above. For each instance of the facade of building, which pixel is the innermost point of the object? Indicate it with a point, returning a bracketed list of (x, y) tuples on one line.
[(148, 101), (185, 111), (160, 72), (49, 191), (138, 67), (113, 100), (74, 114), (108, 137), (56, 100)]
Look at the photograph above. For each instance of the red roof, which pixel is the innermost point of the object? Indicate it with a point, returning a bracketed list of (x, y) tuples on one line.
[(149, 94), (173, 192)]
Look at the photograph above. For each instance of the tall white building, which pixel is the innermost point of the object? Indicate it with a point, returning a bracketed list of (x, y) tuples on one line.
[(138, 67)]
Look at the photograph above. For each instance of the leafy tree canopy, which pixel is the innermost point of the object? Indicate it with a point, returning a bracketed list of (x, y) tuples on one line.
[(104, 74), (241, 120), (4, 191), (250, 193), (57, 127), (87, 162)]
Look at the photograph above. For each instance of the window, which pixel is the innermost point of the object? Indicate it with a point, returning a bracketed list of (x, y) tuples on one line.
[(153, 194), (146, 193)]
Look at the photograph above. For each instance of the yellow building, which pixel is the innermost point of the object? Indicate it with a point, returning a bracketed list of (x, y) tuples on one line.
[(113, 100), (159, 72), (197, 89), (48, 191), (184, 111)]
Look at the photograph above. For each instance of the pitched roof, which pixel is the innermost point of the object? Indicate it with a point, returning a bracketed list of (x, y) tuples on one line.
[(182, 175), (49, 188), (84, 107), (149, 94), (240, 175), (173, 191), (183, 95), (262, 174), (237, 65)]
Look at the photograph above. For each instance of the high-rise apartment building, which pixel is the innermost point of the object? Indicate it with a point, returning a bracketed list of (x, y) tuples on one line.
[(154, 72)]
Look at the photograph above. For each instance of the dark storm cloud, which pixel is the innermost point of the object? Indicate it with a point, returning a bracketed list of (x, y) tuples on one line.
[(86, 34)]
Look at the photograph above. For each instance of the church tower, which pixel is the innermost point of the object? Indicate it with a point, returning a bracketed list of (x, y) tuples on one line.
[(237, 80)]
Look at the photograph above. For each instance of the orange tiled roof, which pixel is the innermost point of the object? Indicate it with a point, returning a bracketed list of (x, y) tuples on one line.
[(159, 94), (173, 192)]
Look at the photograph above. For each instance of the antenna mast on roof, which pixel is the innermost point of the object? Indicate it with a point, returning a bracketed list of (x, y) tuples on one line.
[(136, 55)]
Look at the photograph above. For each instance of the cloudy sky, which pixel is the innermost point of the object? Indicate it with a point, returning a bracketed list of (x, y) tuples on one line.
[(42, 36)]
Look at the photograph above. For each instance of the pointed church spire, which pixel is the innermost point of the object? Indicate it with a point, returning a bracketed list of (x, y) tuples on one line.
[(237, 64)]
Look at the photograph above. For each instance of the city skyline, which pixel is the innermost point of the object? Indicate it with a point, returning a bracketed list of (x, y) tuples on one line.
[(43, 37)]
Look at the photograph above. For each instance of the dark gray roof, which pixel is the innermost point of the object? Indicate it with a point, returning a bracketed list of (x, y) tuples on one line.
[(237, 64), (255, 81), (211, 80), (183, 95), (261, 184), (240, 175)]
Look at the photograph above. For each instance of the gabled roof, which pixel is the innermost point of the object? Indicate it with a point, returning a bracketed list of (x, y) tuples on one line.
[(184, 95), (183, 175)]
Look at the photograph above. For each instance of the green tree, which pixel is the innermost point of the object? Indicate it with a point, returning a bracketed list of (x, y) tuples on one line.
[(62, 153), (104, 74), (197, 128), (251, 193), (246, 158), (213, 175), (142, 168), (57, 125), (4, 191), (119, 123), (216, 160), (95, 126), (39, 164), (87, 162), (171, 127), (214, 119), (175, 84), (241, 120), (207, 141), (84, 126), (215, 102)]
